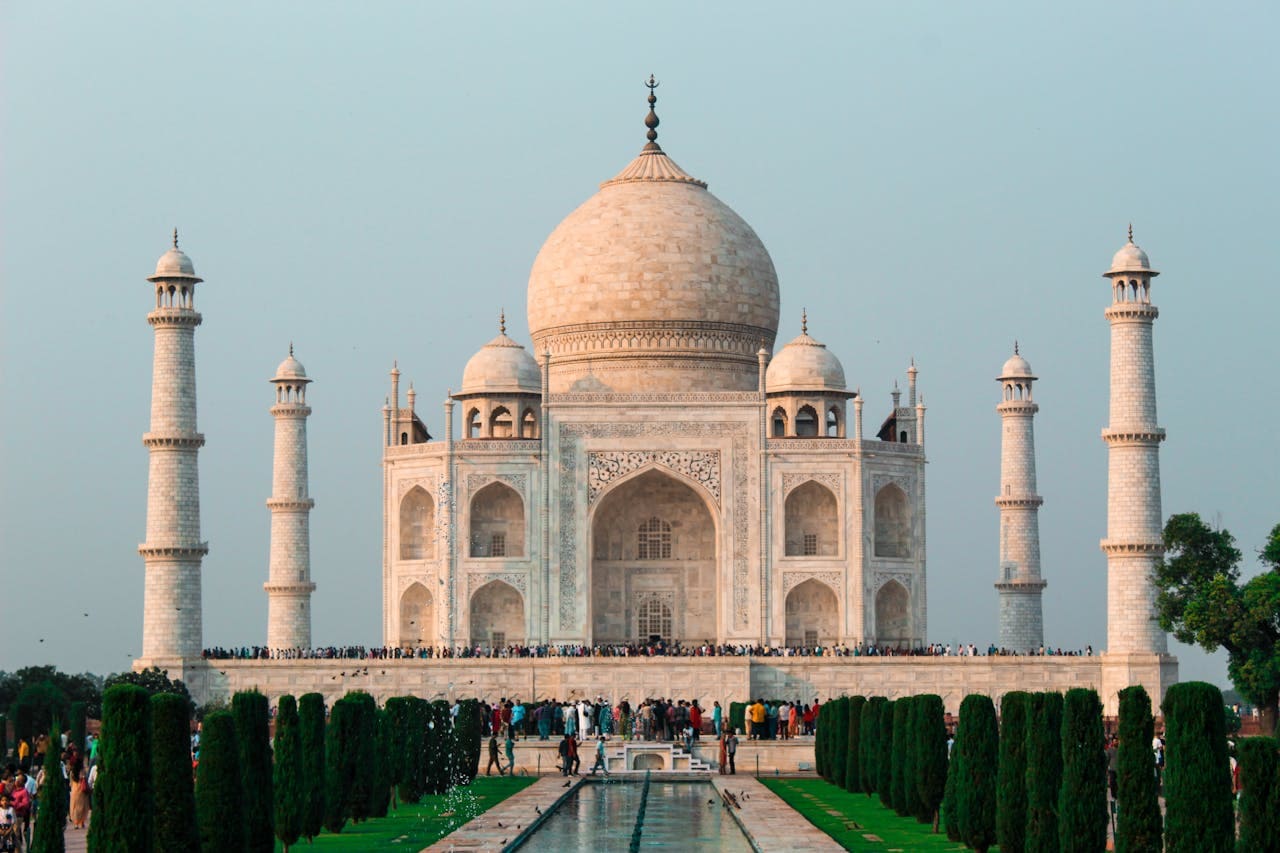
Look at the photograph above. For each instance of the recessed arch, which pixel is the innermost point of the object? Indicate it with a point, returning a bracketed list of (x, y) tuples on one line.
[(528, 424), (806, 422), (811, 521), (835, 422), (779, 421), (497, 522), (417, 525), (813, 615), (497, 615), (893, 614), (417, 616), (892, 522), (501, 424), (475, 425)]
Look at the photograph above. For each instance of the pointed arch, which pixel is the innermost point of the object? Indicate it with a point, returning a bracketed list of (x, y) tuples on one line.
[(811, 525), (417, 525), (892, 522), (835, 422), (528, 424), (813, 615), (497, 522), (497, 615), (475, 424), (893, 614), (501, 424), (417, 616), (779, 423), (807, 422)]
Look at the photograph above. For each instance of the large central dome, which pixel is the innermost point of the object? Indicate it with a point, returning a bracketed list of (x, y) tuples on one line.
[(653, 284)]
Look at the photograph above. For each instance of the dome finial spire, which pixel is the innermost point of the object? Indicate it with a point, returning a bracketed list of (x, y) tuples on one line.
[(804, 321), (651, 120), (290, 349), (1130, 232), (175, 236), (502, 320), (1015, 347)]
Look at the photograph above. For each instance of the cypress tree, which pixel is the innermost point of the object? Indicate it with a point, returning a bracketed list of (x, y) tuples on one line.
[(1197, 776), (364, 758), (4, 738), (1082, 798), (384, 745), (820, 735), (311, 714), (251, 712), (976, 795), (1044, 771), (78, 722), (174, 826), (899, 769), (423, 717), (1139, 824), (122, 797), (950, 796), (338, 773), (398, 760), (288, 783), (1259, 794), (467, 737), (837, 758), (219, 802), (884, 781), (853, 754), (1011, 783), (931, 756), (51, 818), (869, 744)]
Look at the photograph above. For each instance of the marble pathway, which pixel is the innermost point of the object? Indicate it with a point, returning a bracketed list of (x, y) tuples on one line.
[(516, 814), (770, 823)]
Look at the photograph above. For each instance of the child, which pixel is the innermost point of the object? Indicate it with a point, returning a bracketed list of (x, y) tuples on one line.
[(8, 826)]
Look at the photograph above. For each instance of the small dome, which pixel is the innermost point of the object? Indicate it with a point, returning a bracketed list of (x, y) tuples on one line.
[(1130, 259), (290, 368), (1016, 367), (501, 366), (174, 264), (804, 365)]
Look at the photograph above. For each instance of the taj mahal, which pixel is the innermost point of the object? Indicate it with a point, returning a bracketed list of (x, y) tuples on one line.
[(655, 468)]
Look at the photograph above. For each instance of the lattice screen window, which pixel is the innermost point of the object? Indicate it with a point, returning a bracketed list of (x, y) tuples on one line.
[(654, 540), (654, 617), (810, 544), (498, 545), (811, 638), (499, 639)]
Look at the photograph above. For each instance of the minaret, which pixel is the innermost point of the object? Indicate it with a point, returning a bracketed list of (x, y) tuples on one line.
[(289, 586), (1134, 542), (171, 618), (1020, 585)]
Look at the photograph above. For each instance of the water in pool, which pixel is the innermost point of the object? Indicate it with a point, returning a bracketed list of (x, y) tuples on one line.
[(602, 816)]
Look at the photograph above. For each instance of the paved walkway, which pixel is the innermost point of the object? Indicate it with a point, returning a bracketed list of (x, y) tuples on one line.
[(512, 819), (770, 823)]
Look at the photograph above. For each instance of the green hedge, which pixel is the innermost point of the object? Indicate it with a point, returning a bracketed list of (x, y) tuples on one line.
[(1197, 777), (252, 713), (853, 745), (288, 786), (219, 801), (174, 826), (311, 714), (122, 800), (931, 756), (1082, 799), (1139, 824), (1260, 794), (976, 795), (869, 744), (1044, 771), (1011, 781)]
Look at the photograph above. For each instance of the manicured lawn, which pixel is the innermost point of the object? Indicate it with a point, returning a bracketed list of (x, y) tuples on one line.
[(410, 828), (877, 828)]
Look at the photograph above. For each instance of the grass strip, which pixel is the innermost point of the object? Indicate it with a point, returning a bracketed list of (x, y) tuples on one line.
[(856, 821), (413, 827)]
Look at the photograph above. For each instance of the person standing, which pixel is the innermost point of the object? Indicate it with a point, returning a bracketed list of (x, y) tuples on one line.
[(511, 753), (600, 762), (724, 758), (493, 757), (574, 761), (731, 751), (695, 719), (716, 718)]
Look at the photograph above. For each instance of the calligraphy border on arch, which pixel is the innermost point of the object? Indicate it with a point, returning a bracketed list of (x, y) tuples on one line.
[(477, 481), (517, 580), (791, 580), (738, 433), (832, 480), (605, 466)]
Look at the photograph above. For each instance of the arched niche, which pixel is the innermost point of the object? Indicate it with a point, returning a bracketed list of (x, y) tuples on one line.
[(811, 521), (653, 538), (497, 615), (893, 615), (892, 522), (497, 522), (417, 616), (813, 615), (417, 525)]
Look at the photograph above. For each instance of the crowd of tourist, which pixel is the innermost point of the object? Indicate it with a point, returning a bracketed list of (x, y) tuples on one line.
[(616, 650), (22, 780)]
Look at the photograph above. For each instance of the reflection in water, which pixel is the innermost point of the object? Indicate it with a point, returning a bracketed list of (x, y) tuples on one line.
[(601, 816)]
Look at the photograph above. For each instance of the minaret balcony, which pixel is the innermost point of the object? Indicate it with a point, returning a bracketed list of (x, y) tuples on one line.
[(177, 441), (1019, 501), (294, 587), (296, 504), (176, 552), (175, 317), (1142, 312), (1133, 548), (1133, 435)]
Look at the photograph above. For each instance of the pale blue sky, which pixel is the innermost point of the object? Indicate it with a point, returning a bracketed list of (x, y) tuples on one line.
[(372, 181)]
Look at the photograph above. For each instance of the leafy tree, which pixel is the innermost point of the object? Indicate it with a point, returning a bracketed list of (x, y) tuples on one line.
[(930, 756), (153, 680), (85, 687), (852, 770), (174, 827), (951, 795), (4, 737), (976, 795), (1011, 782), (1197, 776), (1202, 601), (339, 753), (219, 803), (38, 705), (23, 728), (288, 783), (1082, 799), (311, 715), (122, 797), (467, 737), (51, 818), (251, 712), (885, 759), (79, 710), (1139, 824), (904, 784), (869, 744), (1259, 795), (1044, 771), (837, 758)]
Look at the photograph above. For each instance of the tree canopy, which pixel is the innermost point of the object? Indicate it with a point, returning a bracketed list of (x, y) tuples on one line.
[(1201, 600)]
